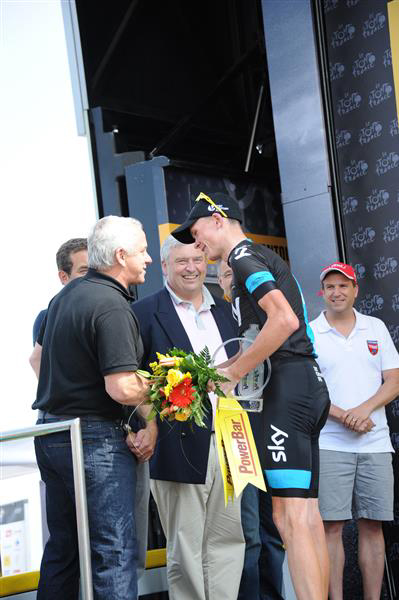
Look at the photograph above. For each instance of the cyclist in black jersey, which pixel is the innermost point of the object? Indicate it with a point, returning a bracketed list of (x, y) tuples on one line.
[(266, 295)]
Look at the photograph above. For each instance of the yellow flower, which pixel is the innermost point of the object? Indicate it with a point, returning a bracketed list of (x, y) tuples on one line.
[(174, 377), (183, 415)]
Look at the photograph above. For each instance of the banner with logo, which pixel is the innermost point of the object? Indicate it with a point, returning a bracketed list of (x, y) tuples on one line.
[(367, 145), (238, 457)]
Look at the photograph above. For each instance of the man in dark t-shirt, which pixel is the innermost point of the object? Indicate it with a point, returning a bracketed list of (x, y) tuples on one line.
[(267, 299), (91, 348)]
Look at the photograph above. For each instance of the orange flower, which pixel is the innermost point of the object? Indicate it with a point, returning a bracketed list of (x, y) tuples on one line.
[(182, 416), (183, 394)]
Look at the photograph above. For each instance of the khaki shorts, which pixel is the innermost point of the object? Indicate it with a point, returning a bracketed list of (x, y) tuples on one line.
[(358, 486)]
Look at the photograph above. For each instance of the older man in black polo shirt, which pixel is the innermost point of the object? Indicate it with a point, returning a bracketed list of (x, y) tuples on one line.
[(91, 350)]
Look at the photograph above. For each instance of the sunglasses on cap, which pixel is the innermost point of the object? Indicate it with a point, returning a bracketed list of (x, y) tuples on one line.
[(202, 196)]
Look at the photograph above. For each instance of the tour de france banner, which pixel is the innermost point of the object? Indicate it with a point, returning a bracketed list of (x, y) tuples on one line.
[(238, 457), (358, 34)]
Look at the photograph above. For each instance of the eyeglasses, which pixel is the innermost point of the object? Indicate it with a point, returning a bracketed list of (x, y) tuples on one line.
[(202, 196)]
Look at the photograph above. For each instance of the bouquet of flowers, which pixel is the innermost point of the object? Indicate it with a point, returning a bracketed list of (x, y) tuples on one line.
[(179, 385)]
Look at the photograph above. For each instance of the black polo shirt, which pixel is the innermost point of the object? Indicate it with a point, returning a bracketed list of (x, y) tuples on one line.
[(89, 331)]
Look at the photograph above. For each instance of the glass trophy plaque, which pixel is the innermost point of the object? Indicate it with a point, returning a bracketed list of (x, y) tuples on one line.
[(249, 389)]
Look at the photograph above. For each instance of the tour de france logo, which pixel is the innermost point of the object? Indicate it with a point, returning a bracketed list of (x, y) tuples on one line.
[(363, 63), (337, 71), (385, 267), (355, 170), (395, 302), (329, 5), (349, 205), (349, 103), (377, 199), (380, 93), (387, 58), (370, 132), (362, 237), (394, 127), (391, 231), (370, 304), (387, 162), (360, 271), (394, 332), (374, 23), (342, 35), (342, 138)]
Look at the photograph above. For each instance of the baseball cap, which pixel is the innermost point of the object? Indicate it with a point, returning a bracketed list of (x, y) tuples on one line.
[(205, 206), (343, 268)]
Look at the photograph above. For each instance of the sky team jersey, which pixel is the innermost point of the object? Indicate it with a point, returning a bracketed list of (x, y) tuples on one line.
[(257, 270)]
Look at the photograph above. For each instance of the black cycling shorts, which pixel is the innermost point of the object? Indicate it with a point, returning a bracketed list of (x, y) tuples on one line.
[(295, 408)]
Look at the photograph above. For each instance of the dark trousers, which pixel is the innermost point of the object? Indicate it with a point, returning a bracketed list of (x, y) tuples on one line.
[(262, 576), (110, 470)]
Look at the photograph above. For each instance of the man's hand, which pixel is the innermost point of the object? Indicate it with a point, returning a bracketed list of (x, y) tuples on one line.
[(358, 419), (365, 426), (142, 443), (227, 386)]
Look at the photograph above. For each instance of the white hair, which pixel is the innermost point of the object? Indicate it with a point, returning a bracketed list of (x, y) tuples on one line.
[(169, 243), (109, 234)]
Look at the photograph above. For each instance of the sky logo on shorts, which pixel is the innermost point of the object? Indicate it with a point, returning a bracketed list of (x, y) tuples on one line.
[(278, 439), (372, 346)]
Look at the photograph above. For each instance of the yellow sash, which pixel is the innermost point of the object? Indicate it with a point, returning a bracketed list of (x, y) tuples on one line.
[(238, 457)]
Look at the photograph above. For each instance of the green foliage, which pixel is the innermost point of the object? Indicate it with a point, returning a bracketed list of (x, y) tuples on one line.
[(201, 371), (200, 368)]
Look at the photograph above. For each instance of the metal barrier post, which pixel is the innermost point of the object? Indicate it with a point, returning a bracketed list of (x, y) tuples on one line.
[(80, 490), (81, 511)]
